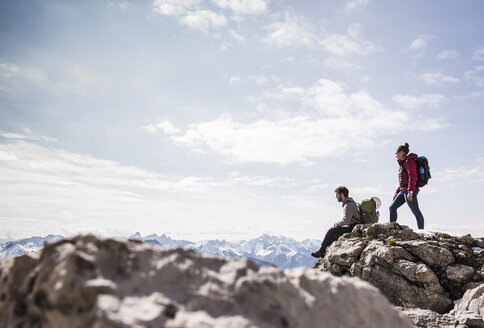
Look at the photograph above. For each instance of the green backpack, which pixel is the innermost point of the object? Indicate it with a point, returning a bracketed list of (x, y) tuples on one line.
[(368, 213)]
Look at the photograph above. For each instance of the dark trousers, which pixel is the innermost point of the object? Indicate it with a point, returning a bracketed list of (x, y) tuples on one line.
[(400, 200), (333, 234)]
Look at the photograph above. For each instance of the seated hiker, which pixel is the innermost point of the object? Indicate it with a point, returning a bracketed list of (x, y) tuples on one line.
[(351, 217)]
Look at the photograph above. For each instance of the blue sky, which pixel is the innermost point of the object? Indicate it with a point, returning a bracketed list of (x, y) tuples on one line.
[(232, 118)]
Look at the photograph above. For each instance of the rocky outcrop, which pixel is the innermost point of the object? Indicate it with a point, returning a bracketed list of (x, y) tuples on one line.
[(411, 270), (87, 281)]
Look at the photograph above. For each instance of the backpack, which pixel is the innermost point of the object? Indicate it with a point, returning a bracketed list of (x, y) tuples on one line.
[(423, 171), (368, 213)]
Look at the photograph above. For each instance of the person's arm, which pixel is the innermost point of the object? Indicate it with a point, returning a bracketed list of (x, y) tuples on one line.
[(411, 168), (346, 220)]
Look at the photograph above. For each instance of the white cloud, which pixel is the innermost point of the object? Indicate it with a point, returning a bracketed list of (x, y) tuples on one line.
[(71, 193), (203, 20), (354, 4), (448, 54), (409, 102), (476, 75), (347, 44), (27, 136), (15, 77), (174, 7), (339, 63), (333, 129), (295, 31), (234, 79), (237, 37), (292, 31), (165, 126), (436, 79), (420, 44), (243, 7), (82, 79), (478, 54)]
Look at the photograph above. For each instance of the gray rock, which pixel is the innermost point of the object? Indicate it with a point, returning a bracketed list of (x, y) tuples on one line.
[(87, 281), (412, 270), (429, 319), (432, 255), (459, 273), (471, 306)]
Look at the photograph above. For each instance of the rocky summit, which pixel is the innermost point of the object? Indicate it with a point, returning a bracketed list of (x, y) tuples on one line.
[(86, 281), (423, 274)]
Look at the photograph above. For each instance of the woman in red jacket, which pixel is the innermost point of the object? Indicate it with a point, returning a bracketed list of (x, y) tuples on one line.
[(408, 190)]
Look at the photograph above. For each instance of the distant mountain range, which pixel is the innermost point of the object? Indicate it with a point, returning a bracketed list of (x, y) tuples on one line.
[(265, 250)]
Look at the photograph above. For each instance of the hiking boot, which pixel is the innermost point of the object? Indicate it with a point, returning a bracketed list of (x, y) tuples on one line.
[(317, 254)]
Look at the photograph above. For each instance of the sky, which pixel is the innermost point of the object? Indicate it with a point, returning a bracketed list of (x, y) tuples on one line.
[(227, 119)]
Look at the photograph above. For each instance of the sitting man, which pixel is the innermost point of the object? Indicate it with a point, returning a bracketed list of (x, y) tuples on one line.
[(351, 217)]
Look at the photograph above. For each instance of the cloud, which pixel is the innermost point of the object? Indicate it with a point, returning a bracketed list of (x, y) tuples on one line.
[(243, 7), (355, 4), (174, 7), (71, 193), (478, 54), (410, 102), (83, 79), (330, 127), (347, 44), (14, 77), (234, 79), (419, 46), (237, 37), (203, 20), (437, 79), (201, 14), (448, 54), (291, 31), (27, 136), (165, 126), (476, 75), (294, 31)]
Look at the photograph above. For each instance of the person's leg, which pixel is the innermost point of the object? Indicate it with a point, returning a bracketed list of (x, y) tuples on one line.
[(416, 210), (332, 235), (397, 202)]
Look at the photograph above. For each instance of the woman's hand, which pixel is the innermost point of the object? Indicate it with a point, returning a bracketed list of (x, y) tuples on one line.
[(410, 196)]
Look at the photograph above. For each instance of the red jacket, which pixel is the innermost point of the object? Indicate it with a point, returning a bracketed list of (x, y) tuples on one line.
[(407, 175)]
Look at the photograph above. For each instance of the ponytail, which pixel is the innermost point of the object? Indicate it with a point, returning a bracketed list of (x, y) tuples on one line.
[(405, 148)]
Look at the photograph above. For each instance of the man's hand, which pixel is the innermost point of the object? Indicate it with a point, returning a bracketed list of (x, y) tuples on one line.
[(410, 196)]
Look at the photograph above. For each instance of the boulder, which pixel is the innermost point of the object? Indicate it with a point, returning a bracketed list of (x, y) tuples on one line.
[(470, 311), (412, 270), (86, 281)]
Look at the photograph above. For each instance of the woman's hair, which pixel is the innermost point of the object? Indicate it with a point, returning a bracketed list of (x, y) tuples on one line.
[(404, 148)]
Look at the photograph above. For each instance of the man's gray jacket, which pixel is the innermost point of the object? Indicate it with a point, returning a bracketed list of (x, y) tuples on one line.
[(351, 213)]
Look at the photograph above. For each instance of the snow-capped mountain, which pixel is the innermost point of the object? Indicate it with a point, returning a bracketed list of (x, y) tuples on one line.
[(265, 250), (281, 251), (22, 246)]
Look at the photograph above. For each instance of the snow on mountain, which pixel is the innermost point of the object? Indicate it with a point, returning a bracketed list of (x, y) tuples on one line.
[(265, 250), (22, 246), (279, 250)]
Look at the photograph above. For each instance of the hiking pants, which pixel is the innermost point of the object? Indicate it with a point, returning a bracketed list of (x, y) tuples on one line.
[(400, 200), (333, 234)]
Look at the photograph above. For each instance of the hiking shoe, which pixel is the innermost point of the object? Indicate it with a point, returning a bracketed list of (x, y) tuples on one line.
[(317, 254)]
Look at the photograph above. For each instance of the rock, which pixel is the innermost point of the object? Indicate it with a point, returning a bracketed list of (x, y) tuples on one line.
[(471, 308), (432, 255), (429, 319), (411, 270), (459, 273), (86, 281)]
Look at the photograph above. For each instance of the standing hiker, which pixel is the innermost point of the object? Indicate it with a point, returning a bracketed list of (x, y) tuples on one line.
[(351, 217), (407, 190)]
